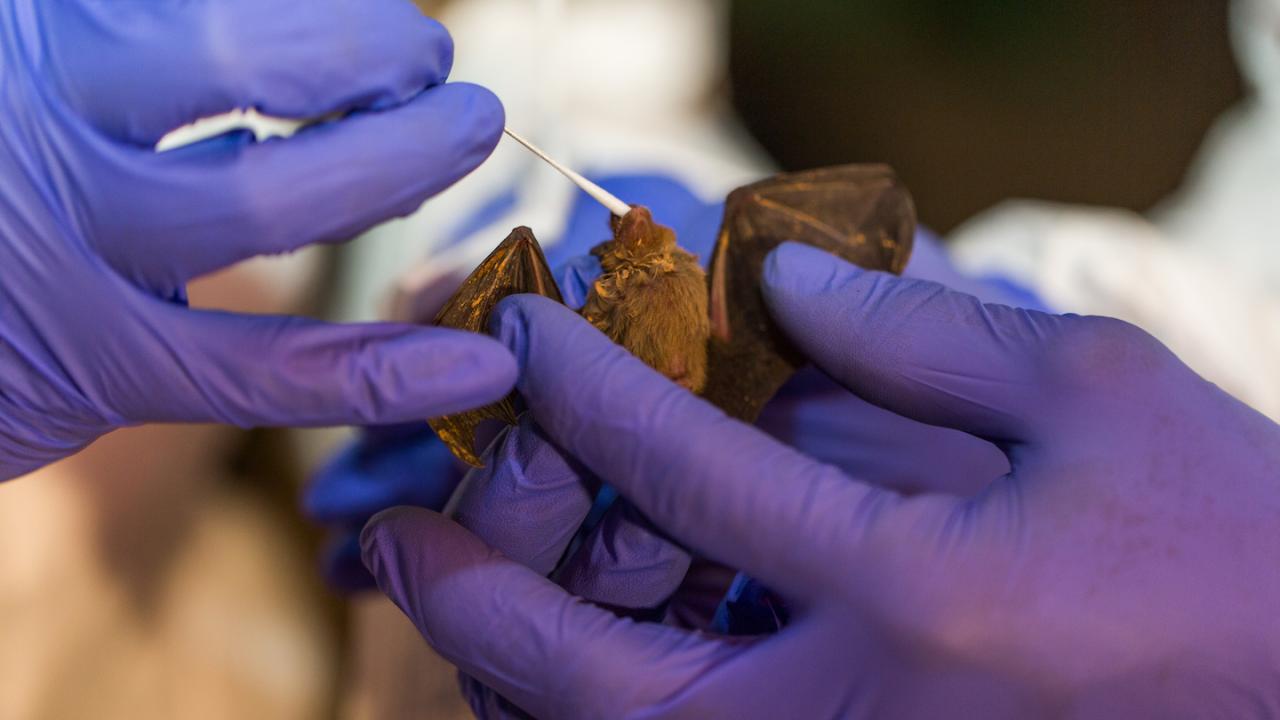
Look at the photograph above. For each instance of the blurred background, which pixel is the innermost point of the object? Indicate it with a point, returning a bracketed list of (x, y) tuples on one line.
[(167, 573), (1094, 101)]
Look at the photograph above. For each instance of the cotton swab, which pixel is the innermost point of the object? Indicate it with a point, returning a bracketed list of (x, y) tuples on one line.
[(604, 197)]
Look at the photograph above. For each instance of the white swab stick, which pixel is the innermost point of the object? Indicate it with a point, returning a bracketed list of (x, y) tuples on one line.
[(604, 197)]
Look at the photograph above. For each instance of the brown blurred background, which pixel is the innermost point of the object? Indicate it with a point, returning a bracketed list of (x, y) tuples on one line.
[(974, 101)]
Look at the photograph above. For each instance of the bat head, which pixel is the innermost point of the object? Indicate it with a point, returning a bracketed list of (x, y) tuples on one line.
[(637, 239)]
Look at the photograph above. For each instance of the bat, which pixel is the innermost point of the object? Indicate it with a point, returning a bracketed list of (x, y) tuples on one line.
[(710, 332)]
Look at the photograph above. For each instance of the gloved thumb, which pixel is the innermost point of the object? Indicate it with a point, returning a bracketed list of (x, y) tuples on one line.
[(915, 347)]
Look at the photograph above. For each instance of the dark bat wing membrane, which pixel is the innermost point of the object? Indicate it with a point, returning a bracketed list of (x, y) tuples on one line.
[(861, 213), (516, 267)]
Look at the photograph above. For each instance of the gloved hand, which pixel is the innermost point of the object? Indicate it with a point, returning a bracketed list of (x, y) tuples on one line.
[(386, 467), (812, 412), (1124, 567), (99, 234)]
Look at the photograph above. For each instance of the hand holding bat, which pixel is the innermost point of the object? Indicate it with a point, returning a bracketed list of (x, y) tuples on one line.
[(711, 333)]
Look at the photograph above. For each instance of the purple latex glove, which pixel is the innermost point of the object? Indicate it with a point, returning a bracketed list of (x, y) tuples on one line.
[(812, 413), (99, 234), (528, 503), (619, 560), (1125, 567)]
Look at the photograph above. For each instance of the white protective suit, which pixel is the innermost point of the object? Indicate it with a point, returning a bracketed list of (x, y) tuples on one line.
[(1202, 271)]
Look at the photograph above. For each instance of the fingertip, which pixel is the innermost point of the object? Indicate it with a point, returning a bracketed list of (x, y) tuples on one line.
[(495, 619), (378, 543), (430, 142), (405, 546), (382, 531), (384, 374), (438, 138), (482, 108)]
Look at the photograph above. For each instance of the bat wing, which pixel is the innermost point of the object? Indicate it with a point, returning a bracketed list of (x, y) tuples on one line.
[(861, 213), (517, 266)]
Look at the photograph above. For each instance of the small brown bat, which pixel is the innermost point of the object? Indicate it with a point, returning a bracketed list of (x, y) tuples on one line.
[(643, 270), (710, 332)]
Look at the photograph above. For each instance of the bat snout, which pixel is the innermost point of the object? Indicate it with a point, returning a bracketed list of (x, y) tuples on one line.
[(637, 223)]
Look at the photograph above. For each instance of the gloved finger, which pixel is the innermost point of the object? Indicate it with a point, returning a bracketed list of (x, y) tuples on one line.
[(522, 635), (625, 562), (376, 472), (529, 499), (199, 209), (725, 489), (271, 371), (819, 417), (139, 70), (915, 347)]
